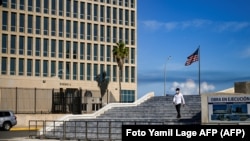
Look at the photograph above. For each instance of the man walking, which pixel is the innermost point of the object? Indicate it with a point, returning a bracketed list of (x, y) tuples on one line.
[(178, 100)]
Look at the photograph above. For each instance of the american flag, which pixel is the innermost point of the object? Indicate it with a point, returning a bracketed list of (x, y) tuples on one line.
[(192, 58)]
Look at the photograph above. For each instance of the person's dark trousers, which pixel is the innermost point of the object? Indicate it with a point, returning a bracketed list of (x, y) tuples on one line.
[(178, 109)]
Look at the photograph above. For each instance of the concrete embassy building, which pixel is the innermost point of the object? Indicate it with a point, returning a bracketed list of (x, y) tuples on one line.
[(53, 44)]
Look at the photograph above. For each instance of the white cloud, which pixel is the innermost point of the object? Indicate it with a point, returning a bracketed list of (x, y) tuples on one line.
[(190, 87)]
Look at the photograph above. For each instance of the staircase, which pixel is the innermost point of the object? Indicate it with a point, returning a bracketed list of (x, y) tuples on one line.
[(107, 126)]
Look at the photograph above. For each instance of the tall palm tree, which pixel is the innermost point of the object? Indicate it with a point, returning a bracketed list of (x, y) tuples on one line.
[(120, 52)]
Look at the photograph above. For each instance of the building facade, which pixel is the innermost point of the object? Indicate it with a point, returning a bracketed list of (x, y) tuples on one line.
[(53, 44)]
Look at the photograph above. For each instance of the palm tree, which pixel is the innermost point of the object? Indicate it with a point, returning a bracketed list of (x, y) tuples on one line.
[(103, 83), (120, 52)]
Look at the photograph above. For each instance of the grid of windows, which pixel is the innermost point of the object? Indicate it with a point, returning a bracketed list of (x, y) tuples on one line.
[(71, 39)]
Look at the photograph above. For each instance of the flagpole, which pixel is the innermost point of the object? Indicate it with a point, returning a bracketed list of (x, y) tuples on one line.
[(199, 71)]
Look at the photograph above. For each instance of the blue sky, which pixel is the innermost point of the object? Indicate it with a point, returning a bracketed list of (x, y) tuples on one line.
[(176, 28)]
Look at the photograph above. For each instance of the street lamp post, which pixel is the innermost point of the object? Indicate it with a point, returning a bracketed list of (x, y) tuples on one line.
[(165, 75)]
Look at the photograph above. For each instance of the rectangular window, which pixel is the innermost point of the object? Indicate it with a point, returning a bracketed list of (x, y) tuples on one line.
[(53, 48), (95, 52), (114, 34), (95, 71), (82, 71), (126, 74), (89, 31), (114, 73), (68, 28), (108, 36), (21, 66), (132, 36), (75, 15), (127, 36), (29, 46), (95, 32), (132, 20), (60, 69), (102, 50), (53, 27), (95, 12), (30, 23), (68, 70), (61, 27), (45, 25), (120, 34), (45, 68), (102, 13), (75, 50), (108, 71), (13, 21), (132, 74), (53, 7), (29, 67), (126, 17), (88, 51), (82, 27), (120, 16), (82, 9), (68, 49), (4, 65), (89, 71), (82, 51), (4, 20), (114, 15), (21, 45), (74, 71), (45, 47), (38, 46), (38, 24), (4, 43), (37, 68), (30, 5), (108, 14), (102, 33), (68, 8), (132, 56), (45, 6), (12, 66), (61, 5), (38, 5), (75, 29), (53, 68), (5, 3), (89, 10), (21, 7), (13, 44), (13, 4), (60, 49), (21, 22), (108, 59)]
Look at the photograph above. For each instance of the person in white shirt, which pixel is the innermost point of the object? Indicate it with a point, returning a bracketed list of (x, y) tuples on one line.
[(178, 100)]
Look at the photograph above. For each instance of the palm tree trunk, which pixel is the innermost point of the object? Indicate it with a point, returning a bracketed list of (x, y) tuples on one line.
[(120, 84)]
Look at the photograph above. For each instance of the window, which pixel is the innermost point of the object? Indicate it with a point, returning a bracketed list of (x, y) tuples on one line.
[(12, 66), (53, 68), (89, 31), (29, 46), (132, 18), (102, 50), (4, 20), (95, 12), (61, 27), (61, 7), (95, 32), (29, 67), (120, 34), (108, 59), (30, 22), (30, 5), (53, 48), (4, 43), (114, 15), (82, 51), (21, 45), (82, 9), (45, 47), (45, 25), (21, 23), (120, 16), (38, 24), (45, 68), (38, 46), (21, 66), (68, 68), (75, 50), (132, 4), (53, 7), (13, 44), (132, 37), (88, 51), (53, 27), (132, 74), (108, 34), (75, 15), (38, 5), (68, 28), (114, 73), (89, 71), (68, 8), (74, 71), (127, 36), (126, 17), (95, 71), (102, 13), (108, 71), (95, 52), (13, 4), (132, 56), (102, 33), (82, 27), (68, 49), (89, 11), (21, 7), (5, 3), (108, 14), (75, 26), (4, 65), (60, 69), (60, 49), (13, 21), (126, 74), (37, 67), (82, 71), (114, 34), (45, 6)]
